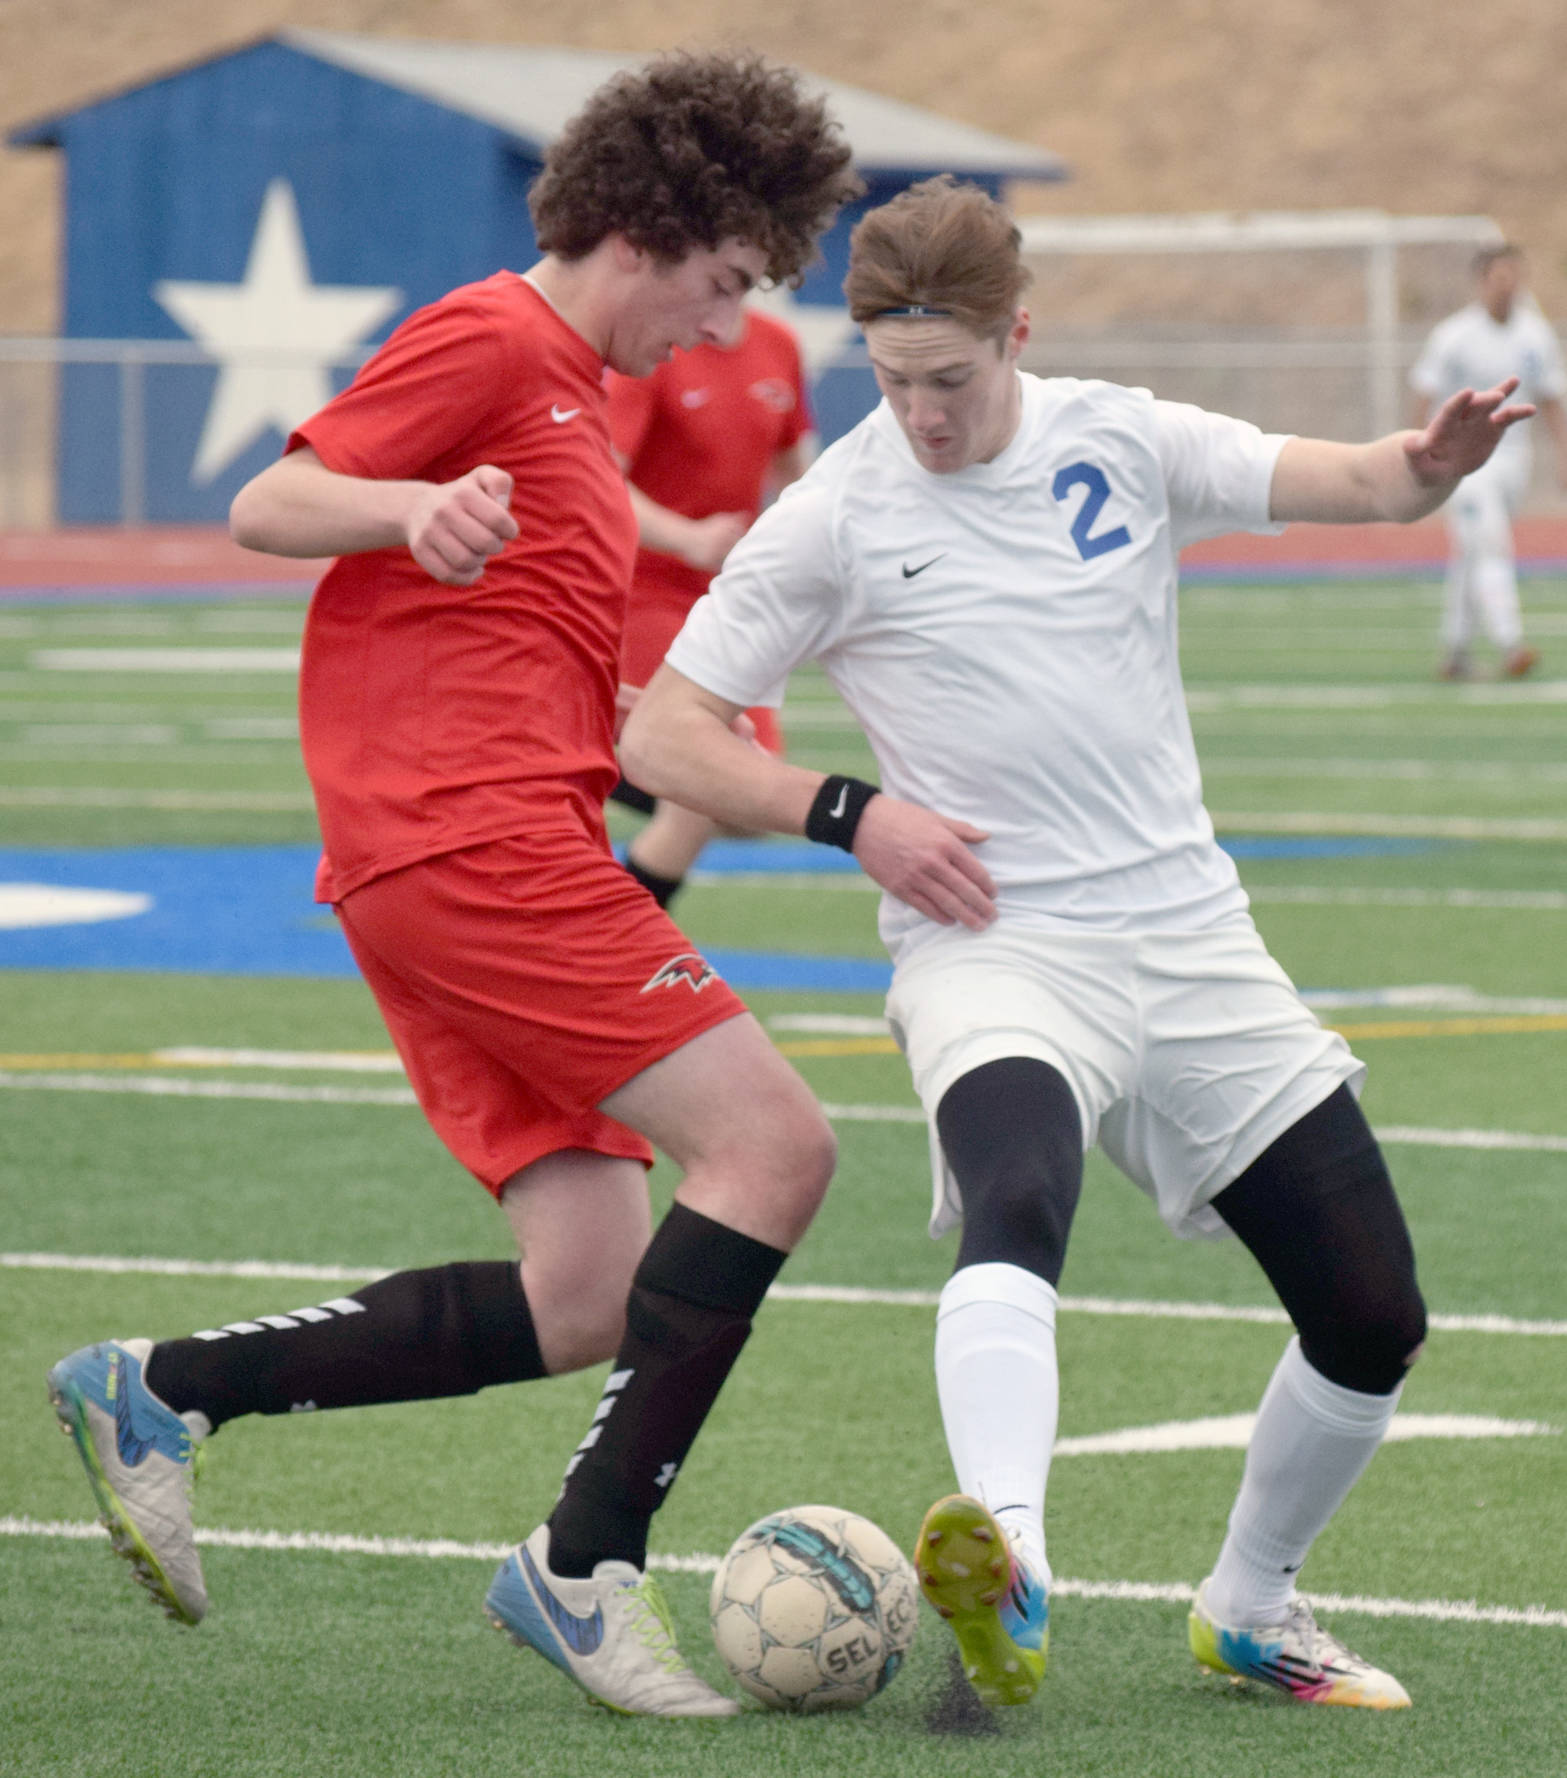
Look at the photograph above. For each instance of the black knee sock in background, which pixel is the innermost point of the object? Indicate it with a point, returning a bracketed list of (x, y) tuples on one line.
[(662, 889)]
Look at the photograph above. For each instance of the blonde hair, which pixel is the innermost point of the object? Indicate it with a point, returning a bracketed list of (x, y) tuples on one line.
[(943, 247)]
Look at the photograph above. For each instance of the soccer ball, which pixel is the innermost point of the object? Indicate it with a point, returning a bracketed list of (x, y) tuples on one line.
[(814, 1608)]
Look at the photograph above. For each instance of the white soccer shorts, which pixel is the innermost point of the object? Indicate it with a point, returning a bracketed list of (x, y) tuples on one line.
[(1188, 1053)]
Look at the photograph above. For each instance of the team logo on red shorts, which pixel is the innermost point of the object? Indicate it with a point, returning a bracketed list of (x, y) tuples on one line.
[(696, 972)]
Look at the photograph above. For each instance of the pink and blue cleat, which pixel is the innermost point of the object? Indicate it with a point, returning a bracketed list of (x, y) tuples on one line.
[(1296, 1656)]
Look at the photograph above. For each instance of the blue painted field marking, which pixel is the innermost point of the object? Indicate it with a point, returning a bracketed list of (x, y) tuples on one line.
[(248, 910)]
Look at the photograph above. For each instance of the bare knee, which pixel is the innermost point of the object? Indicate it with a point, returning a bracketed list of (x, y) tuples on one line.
[(579, 1312), (768, 1178)]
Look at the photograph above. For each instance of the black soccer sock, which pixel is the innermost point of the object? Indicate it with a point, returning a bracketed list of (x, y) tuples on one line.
[(631, 796), (662, 889), (689, 1313), (447, 1330)]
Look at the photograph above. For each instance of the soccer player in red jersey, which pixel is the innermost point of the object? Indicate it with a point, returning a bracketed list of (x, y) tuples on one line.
[(705, 441), (458, 705)]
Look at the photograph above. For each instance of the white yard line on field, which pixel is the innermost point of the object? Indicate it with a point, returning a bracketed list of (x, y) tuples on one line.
[(1541, 900), (1203, 697), (1457, 771), (1510, 900), (164, 660), (1420, 827), (287, 1093), (1465, 1611), (173, 1086), (853, 1295), (55, 796)]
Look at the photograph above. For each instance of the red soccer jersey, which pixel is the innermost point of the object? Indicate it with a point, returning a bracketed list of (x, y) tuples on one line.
[(437, 717), (700, 433)]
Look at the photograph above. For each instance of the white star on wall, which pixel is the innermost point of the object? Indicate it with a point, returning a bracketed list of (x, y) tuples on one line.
[(275, 311)]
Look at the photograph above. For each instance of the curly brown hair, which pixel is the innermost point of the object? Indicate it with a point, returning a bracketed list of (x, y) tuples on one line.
[(691, 150), (943, 245)]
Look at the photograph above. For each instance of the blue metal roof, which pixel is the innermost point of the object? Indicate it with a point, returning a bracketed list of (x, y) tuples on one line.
[(529, 92)]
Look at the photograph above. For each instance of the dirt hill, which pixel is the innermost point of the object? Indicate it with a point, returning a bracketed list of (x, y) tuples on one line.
[(1404, 105)]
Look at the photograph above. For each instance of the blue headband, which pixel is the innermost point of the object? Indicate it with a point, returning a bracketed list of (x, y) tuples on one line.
[(915, 311)]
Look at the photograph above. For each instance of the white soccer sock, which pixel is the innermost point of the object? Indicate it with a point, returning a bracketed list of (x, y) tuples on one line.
[(1496, 593), (1457, 613), (1312, 1441), (1000, 1393)]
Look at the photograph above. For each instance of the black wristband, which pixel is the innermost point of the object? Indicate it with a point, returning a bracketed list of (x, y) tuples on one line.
[(836, 812)]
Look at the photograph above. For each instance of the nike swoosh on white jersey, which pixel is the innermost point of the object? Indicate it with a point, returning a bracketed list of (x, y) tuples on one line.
[(560, 415)]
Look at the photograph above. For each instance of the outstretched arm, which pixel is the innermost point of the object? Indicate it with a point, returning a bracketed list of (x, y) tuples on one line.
[(299, 507), (678, 743), (1402, 476)]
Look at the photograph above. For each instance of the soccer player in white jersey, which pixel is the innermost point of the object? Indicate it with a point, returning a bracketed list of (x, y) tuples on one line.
[(1500, 334), (986, 569)]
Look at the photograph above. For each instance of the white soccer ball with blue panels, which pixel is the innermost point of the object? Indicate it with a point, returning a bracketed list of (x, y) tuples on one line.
[(814, 1608)]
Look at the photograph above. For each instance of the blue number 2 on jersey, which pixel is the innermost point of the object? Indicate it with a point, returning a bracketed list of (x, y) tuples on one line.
[(1091, 477)]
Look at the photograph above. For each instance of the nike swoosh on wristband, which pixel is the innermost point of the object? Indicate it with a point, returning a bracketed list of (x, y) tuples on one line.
[(584, 1634), (835, 813), (909, 573), (560, 415)]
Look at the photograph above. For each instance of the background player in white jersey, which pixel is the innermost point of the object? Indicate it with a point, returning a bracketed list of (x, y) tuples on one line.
[(1500, 334), (986, 569)]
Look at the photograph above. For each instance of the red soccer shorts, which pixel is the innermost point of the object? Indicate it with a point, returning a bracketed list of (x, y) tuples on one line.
[(523, 981)]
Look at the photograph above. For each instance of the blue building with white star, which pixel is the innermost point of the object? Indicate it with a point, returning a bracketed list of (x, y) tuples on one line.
[(261, 219)]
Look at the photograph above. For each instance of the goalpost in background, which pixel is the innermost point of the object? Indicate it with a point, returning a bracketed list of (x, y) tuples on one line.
[(1300, 321)]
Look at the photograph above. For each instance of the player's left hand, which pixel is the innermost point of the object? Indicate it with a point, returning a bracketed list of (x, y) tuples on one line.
[(1462, 433), (927, 860)]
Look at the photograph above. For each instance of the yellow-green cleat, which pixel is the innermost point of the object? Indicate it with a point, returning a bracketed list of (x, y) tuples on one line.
[(1296, 1656), (999, 1609)]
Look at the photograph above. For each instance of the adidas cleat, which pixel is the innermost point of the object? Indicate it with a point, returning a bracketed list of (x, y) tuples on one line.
[(997, 1606), (140, 1459), (1296, 1656), (612, 1633)]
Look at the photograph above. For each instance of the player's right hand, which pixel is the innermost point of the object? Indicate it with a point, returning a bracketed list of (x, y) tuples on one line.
[(926, 860), (708, 541), (453, 528)]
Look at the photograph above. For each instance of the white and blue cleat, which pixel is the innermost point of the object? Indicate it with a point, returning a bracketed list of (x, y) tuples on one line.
[(611, 1634), (140, 1458)]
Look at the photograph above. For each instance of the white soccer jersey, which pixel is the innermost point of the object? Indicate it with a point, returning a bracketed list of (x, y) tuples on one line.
[(1470, 350), (1006, 637)]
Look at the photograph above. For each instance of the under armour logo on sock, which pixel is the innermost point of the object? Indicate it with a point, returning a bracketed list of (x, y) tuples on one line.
[(666, 1475)]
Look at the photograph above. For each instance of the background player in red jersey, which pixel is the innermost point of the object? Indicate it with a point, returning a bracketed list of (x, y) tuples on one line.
[(458, 703), (705, 442)]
